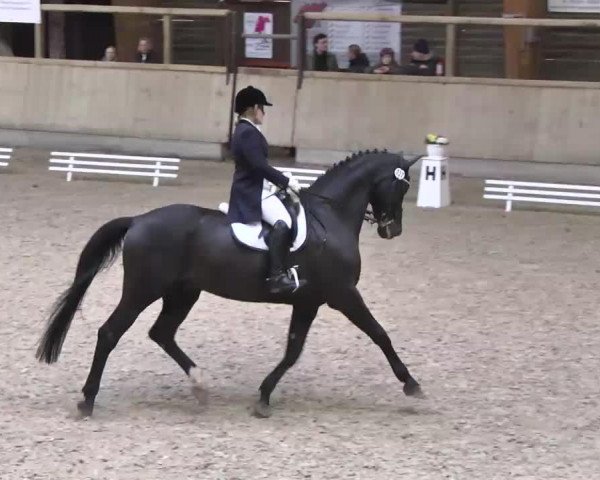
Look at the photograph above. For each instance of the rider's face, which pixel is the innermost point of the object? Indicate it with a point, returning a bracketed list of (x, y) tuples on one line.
[(259, 114)]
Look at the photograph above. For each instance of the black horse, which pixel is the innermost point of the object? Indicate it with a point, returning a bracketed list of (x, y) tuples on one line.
[(177, 251)]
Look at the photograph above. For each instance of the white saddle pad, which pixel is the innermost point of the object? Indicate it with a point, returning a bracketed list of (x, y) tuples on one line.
[(249, 234)]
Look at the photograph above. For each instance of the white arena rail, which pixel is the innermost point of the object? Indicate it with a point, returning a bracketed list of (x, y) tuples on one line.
[(305, 176), (153, 167), (5, 156), (556, 193)]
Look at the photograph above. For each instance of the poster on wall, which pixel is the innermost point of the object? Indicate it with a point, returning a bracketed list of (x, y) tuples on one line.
[(20, 11), (370, 36), (574, 6), (258, 23)]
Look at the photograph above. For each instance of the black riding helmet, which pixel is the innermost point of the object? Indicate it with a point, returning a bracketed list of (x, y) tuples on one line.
[(248, 97)]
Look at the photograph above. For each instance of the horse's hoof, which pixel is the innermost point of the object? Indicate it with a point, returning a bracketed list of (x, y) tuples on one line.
[(261, 410), (85, 409), (413, 389), (200, 393)]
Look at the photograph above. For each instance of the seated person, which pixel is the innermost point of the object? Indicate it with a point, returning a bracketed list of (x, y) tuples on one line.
[(321, 59), (358, 60), (145, 54), (387, 64), (422, 61), (110, 54)]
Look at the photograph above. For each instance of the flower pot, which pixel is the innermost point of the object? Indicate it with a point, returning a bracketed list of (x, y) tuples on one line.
[(436, 151)]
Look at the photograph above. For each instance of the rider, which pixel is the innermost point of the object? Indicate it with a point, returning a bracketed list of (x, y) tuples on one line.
[(249, 203)]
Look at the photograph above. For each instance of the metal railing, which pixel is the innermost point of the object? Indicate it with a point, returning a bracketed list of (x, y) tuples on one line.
[(449, 21), (231, 34)]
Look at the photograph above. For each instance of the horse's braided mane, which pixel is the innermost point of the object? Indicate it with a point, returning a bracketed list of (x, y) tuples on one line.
[(349, 160), (354, 156)]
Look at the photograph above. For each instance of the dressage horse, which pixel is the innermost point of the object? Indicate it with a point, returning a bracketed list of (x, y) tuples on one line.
[(177, 251)]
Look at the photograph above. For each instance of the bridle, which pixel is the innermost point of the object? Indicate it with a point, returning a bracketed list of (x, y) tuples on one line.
[(400, 176), (386, 218)]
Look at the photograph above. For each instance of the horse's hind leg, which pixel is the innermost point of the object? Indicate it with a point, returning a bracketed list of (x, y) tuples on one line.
[(109, 335), (176, 306)]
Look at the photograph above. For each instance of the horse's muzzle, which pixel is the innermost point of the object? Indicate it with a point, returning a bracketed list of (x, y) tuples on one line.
[(389, 229)]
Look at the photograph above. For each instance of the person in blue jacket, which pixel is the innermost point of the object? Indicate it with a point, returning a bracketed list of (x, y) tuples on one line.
[(248, 203)]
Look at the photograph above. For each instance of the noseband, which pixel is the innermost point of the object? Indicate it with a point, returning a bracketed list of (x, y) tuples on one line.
[(387, 218)]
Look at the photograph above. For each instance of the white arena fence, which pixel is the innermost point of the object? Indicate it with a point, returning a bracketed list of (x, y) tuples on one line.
[(106, 164), (535, 192), (305, 176), (5, 156)]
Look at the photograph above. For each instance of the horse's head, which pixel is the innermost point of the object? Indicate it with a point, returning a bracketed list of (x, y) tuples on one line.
[(387, 195)]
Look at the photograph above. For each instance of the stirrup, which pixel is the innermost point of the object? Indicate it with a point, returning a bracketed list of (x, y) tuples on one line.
[(293, 273), (290, 275), (280, 283)]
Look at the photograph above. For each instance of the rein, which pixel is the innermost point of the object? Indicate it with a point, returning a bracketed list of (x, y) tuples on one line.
[(331, 201), (369, 216)]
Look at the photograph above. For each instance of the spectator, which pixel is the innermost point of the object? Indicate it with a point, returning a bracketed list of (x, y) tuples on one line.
[(5, 50), (422, 61), (5, 35), (144, 51), (387, 63), (358, 60), (321, 60), (110, 54)]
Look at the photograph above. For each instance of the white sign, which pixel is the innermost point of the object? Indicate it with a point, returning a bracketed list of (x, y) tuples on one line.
[(370, 36), (20, 11), (574, 6), (258, 23)]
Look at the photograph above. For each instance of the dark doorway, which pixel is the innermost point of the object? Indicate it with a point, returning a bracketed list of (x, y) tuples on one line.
[(22, 39), (88, 34)]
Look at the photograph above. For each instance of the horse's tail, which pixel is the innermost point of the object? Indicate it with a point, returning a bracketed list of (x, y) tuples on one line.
[(99, 253)]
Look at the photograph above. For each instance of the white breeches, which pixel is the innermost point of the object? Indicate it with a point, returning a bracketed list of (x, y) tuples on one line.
[(273, 210)]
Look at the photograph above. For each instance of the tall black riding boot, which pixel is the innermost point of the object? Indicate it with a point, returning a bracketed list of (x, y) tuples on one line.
[(279, 281)]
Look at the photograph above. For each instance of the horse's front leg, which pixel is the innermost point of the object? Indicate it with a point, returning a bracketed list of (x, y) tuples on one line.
[(350, 303), (302, 318)]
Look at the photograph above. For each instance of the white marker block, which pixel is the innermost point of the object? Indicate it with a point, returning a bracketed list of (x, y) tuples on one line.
[(434, 183)]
